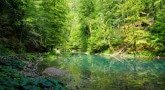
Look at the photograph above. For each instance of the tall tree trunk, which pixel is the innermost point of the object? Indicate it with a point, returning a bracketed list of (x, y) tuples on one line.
[(110, 46)]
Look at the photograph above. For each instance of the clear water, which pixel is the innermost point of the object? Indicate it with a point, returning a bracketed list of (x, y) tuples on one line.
[(91, 72)]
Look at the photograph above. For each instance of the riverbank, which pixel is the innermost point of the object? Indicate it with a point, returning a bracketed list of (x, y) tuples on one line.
[(129, 56), (22, 72)]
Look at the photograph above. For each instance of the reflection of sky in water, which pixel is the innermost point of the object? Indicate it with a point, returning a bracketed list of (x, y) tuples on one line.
[(105, 73)]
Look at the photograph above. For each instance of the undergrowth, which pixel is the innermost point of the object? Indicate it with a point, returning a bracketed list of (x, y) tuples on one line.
[(12, 79)]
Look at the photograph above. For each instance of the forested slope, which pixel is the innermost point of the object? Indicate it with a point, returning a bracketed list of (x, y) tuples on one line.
[(94, 26)]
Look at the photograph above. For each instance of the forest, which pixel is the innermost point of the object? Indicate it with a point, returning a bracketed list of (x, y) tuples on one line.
[(94, 26), (36, 27)]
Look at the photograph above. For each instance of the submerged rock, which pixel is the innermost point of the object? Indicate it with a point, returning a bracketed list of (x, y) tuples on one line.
[(51, 71)]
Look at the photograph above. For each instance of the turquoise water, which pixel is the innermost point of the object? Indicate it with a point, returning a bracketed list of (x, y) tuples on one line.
[(91, 72)]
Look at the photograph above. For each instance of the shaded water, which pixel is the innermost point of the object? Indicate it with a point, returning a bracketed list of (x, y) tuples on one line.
[(91, 72)]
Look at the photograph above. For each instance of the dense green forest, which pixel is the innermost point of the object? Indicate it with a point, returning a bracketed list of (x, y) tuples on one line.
[(94, 26)]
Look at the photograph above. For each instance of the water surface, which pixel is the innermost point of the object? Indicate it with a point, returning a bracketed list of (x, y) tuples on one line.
[(91, 72)]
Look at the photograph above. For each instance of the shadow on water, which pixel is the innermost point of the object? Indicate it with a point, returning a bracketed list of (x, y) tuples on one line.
[(91, 72)]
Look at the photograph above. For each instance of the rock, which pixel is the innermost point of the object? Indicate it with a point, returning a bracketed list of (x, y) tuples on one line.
[(31, 74), (40, 59), (29, 65), (51, 71)]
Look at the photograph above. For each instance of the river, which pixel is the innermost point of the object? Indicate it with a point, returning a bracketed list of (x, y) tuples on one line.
[(93, 72)]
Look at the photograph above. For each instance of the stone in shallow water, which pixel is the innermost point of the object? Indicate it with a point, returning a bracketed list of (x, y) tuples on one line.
[(51, 71)]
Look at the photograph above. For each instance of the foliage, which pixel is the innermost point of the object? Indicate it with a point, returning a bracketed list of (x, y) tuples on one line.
[(19, 82), (25, 30), (55, 13), (87, 14), (11, 79), (81, 25), (158, 33), (14, 64), (5, 51), (33, 57)]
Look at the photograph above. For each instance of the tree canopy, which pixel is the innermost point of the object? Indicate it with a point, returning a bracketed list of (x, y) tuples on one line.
[(94, 26)]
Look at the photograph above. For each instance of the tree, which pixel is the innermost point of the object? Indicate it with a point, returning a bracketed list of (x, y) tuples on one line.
[(158, 33), (11, 24), (87, 15), (55, 13), (31, 31)]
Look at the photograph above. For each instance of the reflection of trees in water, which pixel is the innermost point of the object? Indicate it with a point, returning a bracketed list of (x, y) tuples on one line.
[(140, 75), (95, 73)]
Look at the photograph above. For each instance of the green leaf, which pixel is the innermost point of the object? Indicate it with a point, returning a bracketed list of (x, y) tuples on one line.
[(24, 81), (34, 82), (42, 80), (62, 88), (47, 84), (34, 87), (53, 81), (28, 87), (56, 87), (13, 83)]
